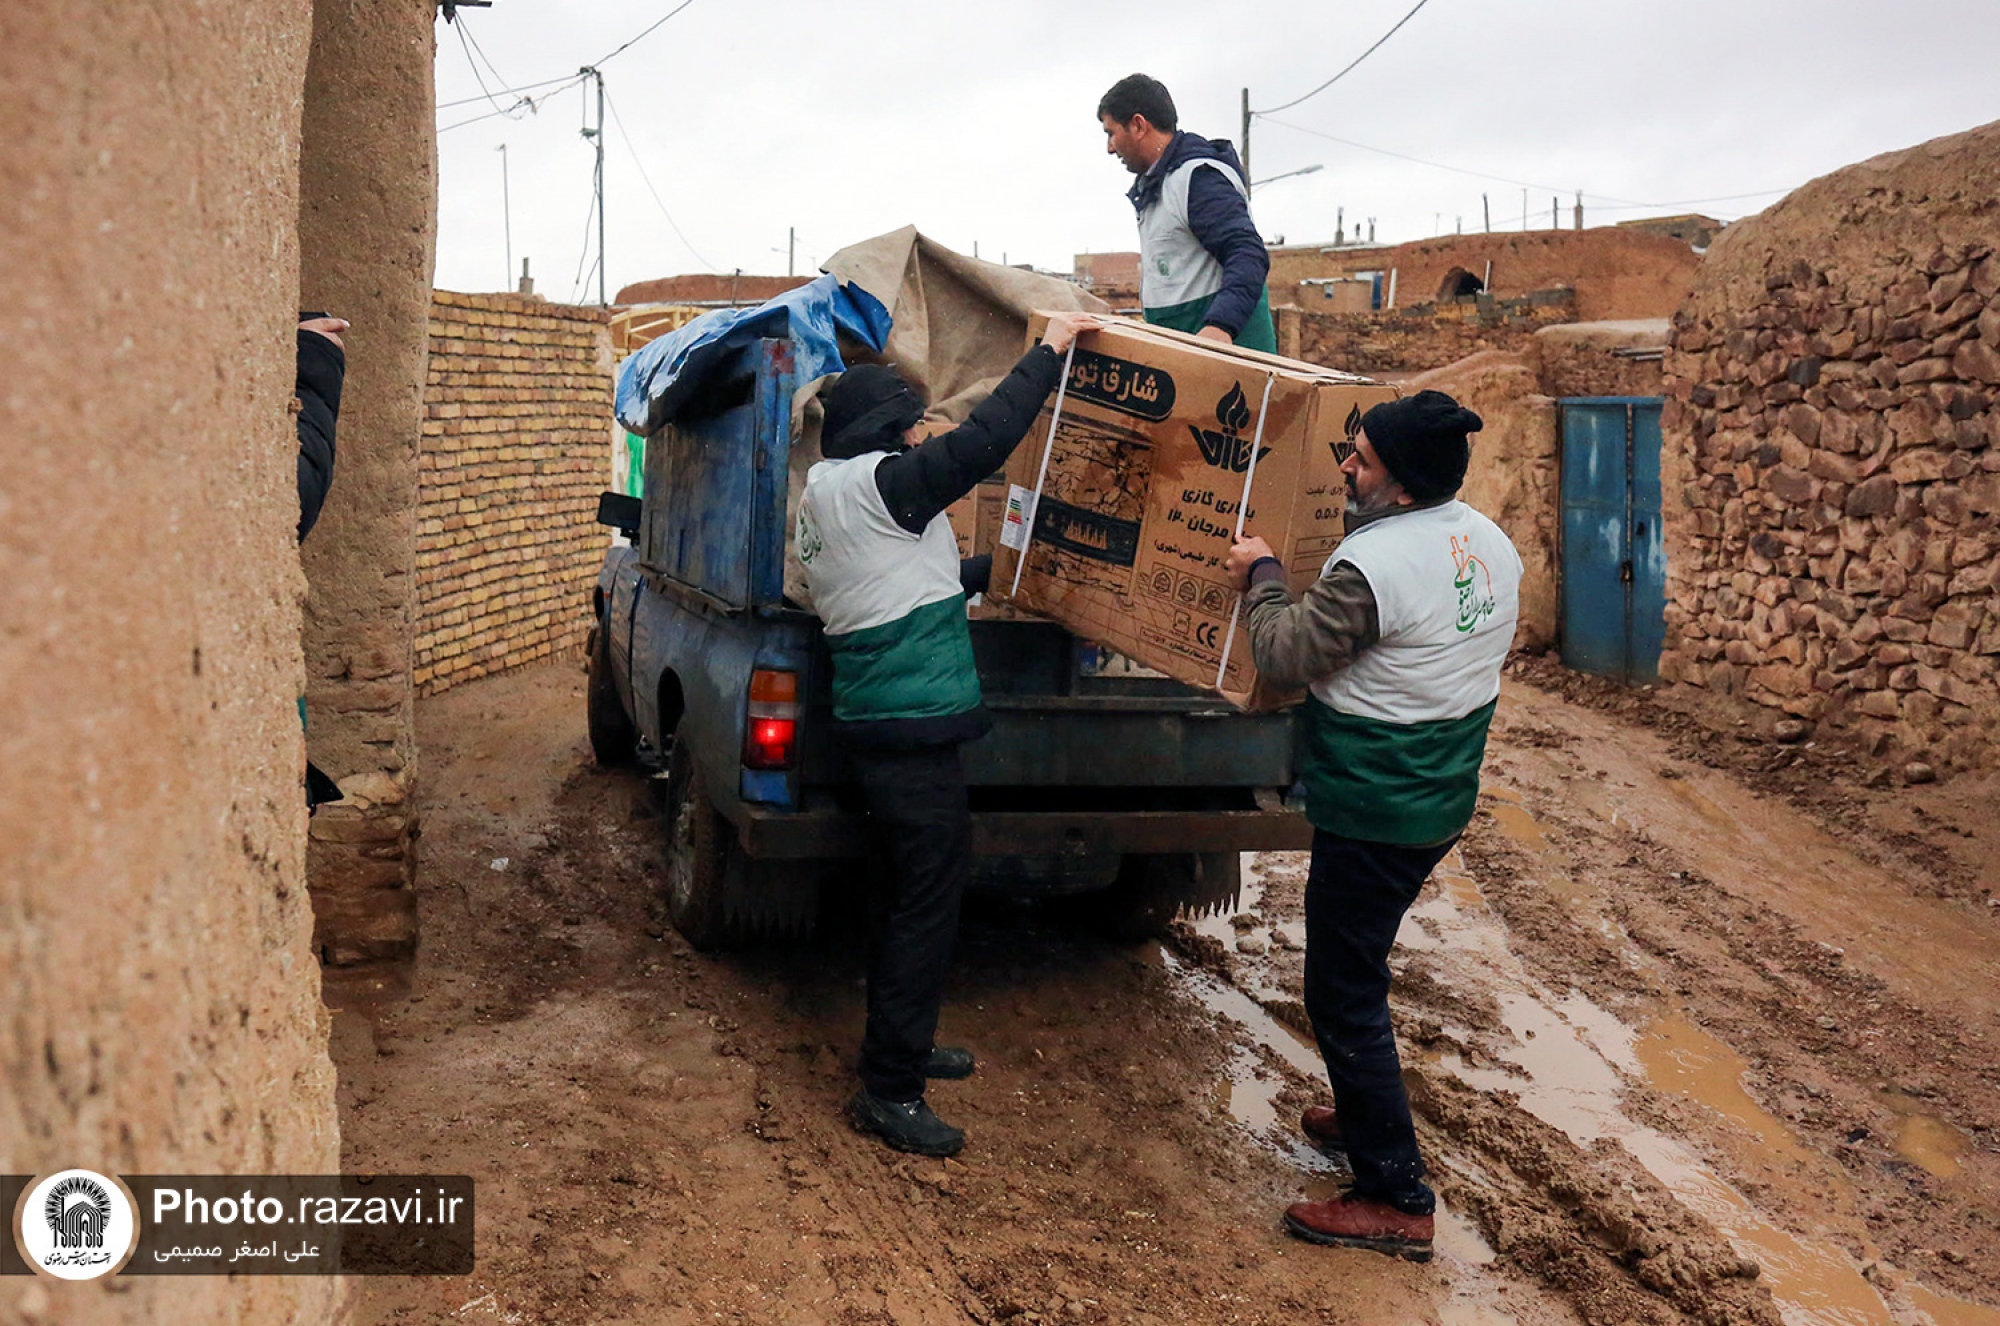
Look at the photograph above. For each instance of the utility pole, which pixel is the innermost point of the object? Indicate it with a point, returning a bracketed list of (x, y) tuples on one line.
[(1246, 141), (596, 135), (506, 212), (1524, 211), (1555, 213), (791, 250), (1486, 206), (1579, 209)]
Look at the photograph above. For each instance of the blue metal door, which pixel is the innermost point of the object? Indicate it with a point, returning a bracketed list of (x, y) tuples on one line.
[(1614, 566)]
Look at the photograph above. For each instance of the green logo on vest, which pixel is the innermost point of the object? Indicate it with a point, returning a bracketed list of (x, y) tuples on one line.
[(1469, 575)]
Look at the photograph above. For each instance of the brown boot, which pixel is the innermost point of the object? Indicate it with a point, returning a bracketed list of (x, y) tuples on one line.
[(1322, 1125), (1349, 1221)]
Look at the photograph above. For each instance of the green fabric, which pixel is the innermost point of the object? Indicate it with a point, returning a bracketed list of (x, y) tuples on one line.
[(918, 666), (1260, 333), (1411, 784)]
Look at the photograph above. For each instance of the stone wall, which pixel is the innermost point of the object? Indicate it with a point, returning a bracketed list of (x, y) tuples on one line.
[(516, 449), (1584, 359), (1421, 338), (1830, 433), (367, 209), (159, 1000)]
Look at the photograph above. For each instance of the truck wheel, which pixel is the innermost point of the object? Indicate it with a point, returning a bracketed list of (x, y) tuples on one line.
[(1152, 889), (697, 855), (613, 739)]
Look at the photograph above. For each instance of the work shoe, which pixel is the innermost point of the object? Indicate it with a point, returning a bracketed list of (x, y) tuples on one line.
[(948, 1062), (906, 1127), (1322, 1125), (1351, 1221)]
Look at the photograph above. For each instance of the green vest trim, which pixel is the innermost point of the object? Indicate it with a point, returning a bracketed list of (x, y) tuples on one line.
[(1260, 333), (918, 666), (1413, 784)]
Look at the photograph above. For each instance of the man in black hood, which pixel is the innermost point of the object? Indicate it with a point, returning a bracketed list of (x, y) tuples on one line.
[(1202, 263), (883, 571)]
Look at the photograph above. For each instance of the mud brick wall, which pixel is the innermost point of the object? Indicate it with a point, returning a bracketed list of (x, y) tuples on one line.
[(1421, 338), (1581, 359), (159, 1000), (516, 449), (1831, 430)]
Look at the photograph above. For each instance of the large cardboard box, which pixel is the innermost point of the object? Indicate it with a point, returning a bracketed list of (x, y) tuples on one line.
[(1162, 438)]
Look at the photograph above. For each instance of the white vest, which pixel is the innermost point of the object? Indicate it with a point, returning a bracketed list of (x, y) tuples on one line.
[(1447, 585), (1173, 266), (862, 568)]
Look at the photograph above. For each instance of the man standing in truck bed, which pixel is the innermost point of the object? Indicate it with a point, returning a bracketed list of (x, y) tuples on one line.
[(882, 568), (1401, 641), (1201, 262)]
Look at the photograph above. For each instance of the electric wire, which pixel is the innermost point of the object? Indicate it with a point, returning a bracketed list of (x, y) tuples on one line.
[(473, 65), (1602, 202), (648, 32), (525, 87), (589, 215), (619, 120), (1350, 67)]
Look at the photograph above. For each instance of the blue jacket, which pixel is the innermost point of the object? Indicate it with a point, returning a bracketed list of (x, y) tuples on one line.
[(1220, 219)]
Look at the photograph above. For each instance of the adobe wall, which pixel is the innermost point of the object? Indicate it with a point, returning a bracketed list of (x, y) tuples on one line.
[(1830, 428), (1616, 273), (159, 1000), (516, 449), (366, 224)]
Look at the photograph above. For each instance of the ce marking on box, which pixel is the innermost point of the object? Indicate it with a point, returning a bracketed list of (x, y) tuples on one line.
[(1207, 635)]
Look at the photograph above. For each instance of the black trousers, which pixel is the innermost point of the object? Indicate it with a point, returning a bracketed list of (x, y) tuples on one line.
[(1356, 894), (923, 828)]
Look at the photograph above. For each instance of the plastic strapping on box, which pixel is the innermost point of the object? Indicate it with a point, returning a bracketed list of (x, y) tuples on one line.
[(1042, 475), (1242, 510)]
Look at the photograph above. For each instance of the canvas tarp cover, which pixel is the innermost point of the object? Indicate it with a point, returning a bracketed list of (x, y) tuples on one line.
[(957, 324)]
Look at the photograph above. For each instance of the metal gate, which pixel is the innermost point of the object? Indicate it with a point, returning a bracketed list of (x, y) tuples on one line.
[(1614, 567)]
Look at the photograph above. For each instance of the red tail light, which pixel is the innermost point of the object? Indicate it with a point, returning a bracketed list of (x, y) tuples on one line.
[(771, 728)]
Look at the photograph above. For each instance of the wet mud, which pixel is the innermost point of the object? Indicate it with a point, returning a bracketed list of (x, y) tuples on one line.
[(1686, 1045)]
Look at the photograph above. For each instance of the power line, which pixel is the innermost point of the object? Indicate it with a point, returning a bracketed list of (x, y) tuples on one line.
[(649, 31), (550, 82), (530, 104), (1350, 68), (473, 65), (1603, 202), (619, 120), (525, 87)]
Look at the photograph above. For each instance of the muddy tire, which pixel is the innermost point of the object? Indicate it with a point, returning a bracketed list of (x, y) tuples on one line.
[(1151, 891), (613, 739), (698, 850)]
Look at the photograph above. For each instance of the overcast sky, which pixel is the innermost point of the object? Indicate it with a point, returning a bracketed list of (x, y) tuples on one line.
[(976, 122)]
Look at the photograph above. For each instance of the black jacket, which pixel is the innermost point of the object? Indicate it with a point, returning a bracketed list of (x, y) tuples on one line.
[(322, 366), (918, 484)]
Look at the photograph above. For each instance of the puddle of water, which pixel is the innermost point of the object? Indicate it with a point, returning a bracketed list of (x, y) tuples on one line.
[(1683, 1058), (1247, 1096), (1947, 1311), (1512, 816), (1924, 1138)]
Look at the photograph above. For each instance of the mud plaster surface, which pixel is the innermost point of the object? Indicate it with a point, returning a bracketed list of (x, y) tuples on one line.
[(159, 1006)]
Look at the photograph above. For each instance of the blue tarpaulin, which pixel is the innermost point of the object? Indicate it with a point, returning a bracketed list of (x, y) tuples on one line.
[(658, 381)]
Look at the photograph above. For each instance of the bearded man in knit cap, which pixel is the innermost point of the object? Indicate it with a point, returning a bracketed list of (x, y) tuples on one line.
[(883, 570), (1400, 642)]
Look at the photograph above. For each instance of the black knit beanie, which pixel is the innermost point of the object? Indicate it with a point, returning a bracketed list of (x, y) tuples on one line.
[(1422, 440), (869, 409)]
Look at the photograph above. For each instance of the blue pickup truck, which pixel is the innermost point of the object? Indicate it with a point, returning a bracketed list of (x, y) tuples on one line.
[(1093, 779)]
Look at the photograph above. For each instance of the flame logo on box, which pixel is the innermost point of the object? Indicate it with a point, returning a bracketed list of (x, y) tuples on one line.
[(1228, 449), (1351, 428)]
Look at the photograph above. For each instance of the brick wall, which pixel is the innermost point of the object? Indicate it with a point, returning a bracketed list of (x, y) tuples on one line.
[(516, 448)]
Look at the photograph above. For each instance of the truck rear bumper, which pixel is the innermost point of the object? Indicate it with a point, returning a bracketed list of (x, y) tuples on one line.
[(833, 833)]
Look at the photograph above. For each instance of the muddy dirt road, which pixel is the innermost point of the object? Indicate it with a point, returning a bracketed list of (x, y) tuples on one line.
[(1700, 1030)]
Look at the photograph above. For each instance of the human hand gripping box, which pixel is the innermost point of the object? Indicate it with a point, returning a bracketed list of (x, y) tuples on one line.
[(1161, 439)]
